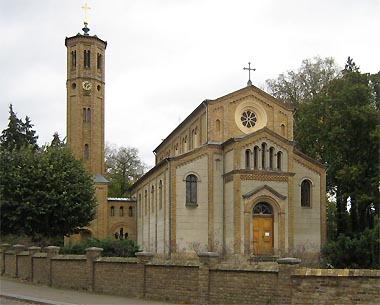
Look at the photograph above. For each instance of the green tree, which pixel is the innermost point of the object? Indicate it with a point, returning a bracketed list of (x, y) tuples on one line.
[(45, 193), (340, 127), (123, 168), (18, 133), (294, 87)]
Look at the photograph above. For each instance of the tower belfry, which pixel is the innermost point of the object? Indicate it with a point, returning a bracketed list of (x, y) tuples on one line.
[(85, 98)]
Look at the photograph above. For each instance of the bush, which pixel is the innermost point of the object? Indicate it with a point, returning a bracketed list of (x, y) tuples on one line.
[(359, 251), (111, 247)]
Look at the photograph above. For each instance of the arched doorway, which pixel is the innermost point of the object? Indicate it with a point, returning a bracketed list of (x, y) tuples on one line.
[(262, 226)]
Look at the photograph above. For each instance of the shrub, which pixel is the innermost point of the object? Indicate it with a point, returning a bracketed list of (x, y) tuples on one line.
[(111, 247), (358, 251)]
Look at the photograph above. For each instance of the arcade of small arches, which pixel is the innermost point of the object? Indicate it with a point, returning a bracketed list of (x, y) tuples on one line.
[(261, 158)]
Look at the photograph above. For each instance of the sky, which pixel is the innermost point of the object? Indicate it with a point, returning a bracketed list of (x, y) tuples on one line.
[(163, 58)]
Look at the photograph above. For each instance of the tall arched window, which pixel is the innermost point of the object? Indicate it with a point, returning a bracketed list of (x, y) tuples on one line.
[(121, 211), (86, 151), (256, 157), (160, 194), (263, 155), (191, 188), (271, 156), (306, 193), (73, 59), (217, 125), (130, 212), (99, 61), (86, 59), (88, 115), (279, 160), (152, 199), (112, 212), (283, 130), (248, 159)]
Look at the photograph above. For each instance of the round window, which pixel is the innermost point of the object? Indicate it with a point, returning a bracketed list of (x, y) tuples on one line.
[(248, 119)]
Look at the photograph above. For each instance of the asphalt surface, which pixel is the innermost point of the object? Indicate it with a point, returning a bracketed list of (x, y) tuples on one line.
[(15, 292)]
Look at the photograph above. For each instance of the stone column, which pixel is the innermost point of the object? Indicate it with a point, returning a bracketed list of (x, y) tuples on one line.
[(286, 267), (17, 249), (51, 252), (32, 251), (92, 254), (206, 259), (4, 248)]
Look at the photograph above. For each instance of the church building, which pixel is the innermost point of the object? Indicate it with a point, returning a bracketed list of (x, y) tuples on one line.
[(227, 179)]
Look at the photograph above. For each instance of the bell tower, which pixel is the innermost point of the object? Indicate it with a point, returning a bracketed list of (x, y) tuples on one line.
[(85, 99)]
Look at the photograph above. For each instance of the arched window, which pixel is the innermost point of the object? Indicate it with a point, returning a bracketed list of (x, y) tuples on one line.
[(73, 59), (263, 155), (191, 188), (145, 202), (279, 160), (112, 213), (86, 59), (88, 115), (217, 125), (262, 208), (256, 157), (283, 130), (84, 115), (121, 211), (99, 61), (248, 159), (86, 151), (152, 199), (306, 193), (140, 205), (271, 156), (130, 212), (160, 194)]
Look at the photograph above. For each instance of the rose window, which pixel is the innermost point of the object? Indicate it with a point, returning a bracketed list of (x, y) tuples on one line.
[(248, 119)]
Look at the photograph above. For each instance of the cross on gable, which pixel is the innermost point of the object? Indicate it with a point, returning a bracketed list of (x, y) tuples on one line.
[(249, 83)]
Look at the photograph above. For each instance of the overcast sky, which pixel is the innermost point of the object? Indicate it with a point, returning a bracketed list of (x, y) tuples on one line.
[(165, 57)]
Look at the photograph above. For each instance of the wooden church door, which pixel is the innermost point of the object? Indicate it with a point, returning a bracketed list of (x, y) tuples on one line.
[(262, 224)]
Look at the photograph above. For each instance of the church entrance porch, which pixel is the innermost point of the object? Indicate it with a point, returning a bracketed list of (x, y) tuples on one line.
[(262, 229)]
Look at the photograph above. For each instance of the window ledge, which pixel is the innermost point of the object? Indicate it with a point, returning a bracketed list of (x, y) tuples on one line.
[(191, 205)]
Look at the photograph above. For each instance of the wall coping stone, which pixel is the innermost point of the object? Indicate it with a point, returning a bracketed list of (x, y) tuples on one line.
[(70, 257), (130, 260), (34, 248), (94, 249), (208, 254), (52, 249), (40, 255), (337, 272), (288, 261), (144, 254), (5, 247), (18, 248)]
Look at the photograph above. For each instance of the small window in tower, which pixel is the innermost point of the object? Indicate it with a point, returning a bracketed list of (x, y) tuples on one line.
[(256, 157), (87, 58), (263, 154), (112, 211), (86, 151), (130, 212), (279, 160), (271, 156), (88, 115), (73, 59), (121, 211), (84, 115), (99, 61)]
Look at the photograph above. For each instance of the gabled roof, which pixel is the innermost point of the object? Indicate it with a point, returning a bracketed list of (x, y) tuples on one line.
[(265, 187)]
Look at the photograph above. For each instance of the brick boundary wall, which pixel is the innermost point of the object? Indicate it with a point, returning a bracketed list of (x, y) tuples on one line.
[(203, 281)]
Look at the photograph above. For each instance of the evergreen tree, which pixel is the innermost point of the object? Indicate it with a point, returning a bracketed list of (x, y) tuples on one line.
[(18, 133)]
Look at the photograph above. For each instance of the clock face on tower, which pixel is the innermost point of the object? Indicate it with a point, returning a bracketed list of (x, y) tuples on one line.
[(86, 85)]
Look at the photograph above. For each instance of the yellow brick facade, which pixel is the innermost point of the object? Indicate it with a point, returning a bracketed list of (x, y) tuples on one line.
[(85, 135), (237, 165)]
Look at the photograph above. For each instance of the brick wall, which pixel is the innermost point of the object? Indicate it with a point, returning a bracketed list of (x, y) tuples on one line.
[(69, 271), (198, 282)]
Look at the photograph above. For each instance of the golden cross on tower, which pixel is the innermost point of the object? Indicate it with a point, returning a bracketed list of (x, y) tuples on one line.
[(85, 8)]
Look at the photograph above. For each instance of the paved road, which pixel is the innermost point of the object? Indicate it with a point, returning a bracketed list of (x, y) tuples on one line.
[(13, 292)]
